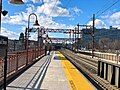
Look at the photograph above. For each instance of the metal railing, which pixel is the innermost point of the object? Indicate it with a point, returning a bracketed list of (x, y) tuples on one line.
[(19, 60), (106, 56)]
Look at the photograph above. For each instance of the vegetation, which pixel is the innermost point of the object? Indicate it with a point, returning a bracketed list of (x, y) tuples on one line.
[(105, 40)]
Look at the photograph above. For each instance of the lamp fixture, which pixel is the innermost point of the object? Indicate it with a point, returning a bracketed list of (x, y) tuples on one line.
[(36, 23), (16, 2), (4, 12)]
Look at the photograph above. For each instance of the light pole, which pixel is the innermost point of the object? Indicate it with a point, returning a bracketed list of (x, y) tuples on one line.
[(40, 33), (4, 13), (27, 32)]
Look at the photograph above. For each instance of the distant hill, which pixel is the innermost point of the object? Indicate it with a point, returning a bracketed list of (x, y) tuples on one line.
[(100, 33)]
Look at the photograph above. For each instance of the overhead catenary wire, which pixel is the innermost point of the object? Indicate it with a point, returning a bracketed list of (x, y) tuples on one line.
[(43, 8), (53, 7), (61, 11), (104, 10), (108, 2), (66, 6), (99, 10), (48, 4), (108, 8)]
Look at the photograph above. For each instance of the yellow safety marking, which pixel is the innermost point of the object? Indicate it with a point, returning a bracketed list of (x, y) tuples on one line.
[(75, 79)]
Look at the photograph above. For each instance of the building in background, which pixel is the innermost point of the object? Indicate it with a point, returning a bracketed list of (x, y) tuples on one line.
[(19, 45)]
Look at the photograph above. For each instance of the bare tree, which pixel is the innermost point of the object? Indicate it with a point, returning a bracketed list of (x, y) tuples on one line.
[(104, 44), (116, 45)]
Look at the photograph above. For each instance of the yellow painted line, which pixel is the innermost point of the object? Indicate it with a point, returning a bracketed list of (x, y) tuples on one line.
[(75, 79)]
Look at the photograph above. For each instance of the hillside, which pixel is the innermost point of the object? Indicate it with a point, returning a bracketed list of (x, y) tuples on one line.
[(99, 34)]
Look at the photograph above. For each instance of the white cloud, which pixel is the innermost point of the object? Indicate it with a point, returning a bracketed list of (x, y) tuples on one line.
[(112, 19), (45, 18), (30, 8), (115, 18), (9, 34), (71, 19), (105, 16), (52, 9), (57, 2), (21, 18), (34, 1), (17, 18), (98, 23), (76, 11)]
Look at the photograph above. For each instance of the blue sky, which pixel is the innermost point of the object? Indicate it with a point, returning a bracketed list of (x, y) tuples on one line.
[(58, 14)]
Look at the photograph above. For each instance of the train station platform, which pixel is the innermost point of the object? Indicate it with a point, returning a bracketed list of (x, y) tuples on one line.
[(52, 72)]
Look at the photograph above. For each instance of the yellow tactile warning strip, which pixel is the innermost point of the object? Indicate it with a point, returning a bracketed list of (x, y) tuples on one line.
[(75, 79)]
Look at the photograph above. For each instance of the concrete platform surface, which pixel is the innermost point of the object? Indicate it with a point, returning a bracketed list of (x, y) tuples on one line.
[(32, 78), (55, 78), (52, 72)]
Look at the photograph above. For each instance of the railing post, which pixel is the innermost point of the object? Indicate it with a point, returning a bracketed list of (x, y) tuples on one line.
[(119, 79), (99, 68), (17, 62), (40, 50), (113, 75), (35, 53), (27, 57), (102, 71)]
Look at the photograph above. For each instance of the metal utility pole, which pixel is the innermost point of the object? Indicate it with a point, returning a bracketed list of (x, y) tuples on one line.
[(70, 40), (75, 39), (93, 35), (78, 38)]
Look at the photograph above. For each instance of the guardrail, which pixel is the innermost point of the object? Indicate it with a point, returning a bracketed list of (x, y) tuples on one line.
[(107, 56), (19, 60), (110, 72)]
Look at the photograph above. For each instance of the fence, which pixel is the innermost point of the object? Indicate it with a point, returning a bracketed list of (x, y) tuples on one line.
[(107, 56), (109, 72), (19, 60)]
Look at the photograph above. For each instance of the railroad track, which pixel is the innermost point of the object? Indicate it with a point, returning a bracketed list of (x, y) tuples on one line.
[(89, 68), (87, 63)]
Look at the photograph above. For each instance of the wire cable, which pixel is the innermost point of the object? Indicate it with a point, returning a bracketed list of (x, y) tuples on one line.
[(104, 9), (43, 8), (108, 8), (64, 7), (53, 7), (99, 10)]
